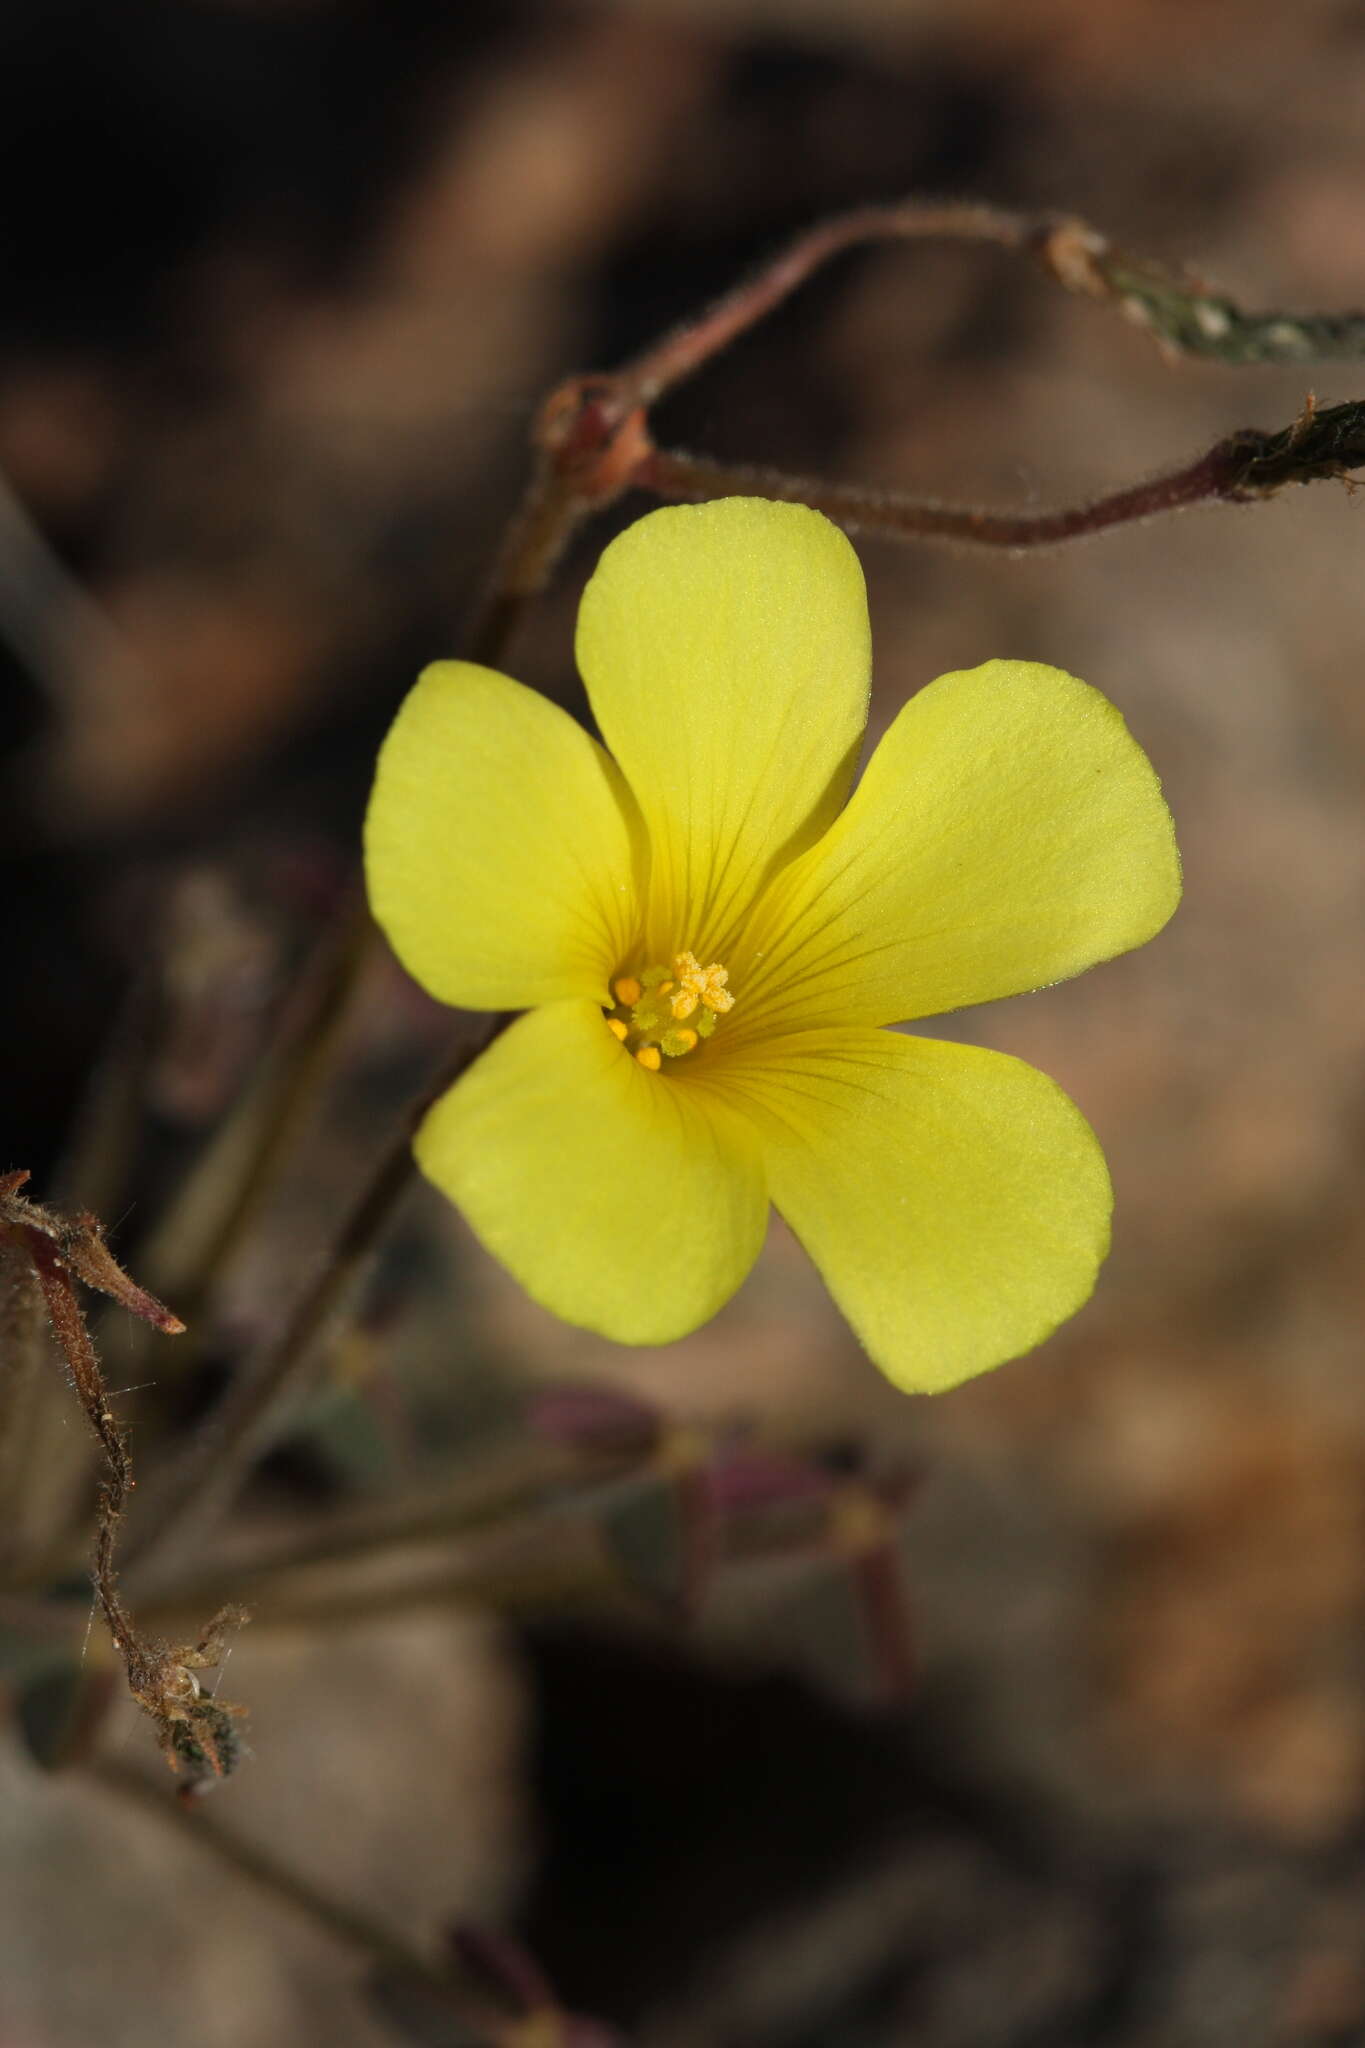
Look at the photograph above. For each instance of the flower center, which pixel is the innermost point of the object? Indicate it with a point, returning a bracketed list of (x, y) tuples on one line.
[(665, 1012)]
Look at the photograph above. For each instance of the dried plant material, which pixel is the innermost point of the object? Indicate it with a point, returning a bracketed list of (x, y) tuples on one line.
[(78, 1245), (197, 1732), (23, 1343)]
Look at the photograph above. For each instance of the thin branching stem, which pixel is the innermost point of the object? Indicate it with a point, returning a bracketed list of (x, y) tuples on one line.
[(541, 528), (195, 1731), (23, 1345), (1184, 315), (501, 1487), (220, 1453), (214, 1211), (592, 437), (279, 1881), (67, 642), (683, 351), (895, 515), (551, 1577), (1322, 444)]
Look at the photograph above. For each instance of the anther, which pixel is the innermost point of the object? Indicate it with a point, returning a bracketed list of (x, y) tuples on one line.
[(649, 1056), (626, 991), (618, 1028), (705, 985), (676, 1043)]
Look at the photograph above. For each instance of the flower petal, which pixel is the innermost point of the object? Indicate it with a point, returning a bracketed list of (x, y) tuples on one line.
[(622, 1200), (498, 845), (956, 1202), (1008, 832), (726, 652)]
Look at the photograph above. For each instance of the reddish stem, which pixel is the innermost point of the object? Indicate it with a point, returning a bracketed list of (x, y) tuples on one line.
[(683, 352), (675, 475)]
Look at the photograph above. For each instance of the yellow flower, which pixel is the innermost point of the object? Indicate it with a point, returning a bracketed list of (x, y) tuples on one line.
[(708, 935)]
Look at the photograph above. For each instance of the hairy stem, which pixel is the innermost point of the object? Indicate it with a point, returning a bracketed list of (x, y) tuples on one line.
[(1320, 445), (681, 353), (23, 1344), (192, 1730), (1182, 314), (675, 475), (541, 528)]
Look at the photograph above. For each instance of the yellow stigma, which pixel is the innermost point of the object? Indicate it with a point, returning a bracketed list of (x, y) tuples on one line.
[(652, 1008)]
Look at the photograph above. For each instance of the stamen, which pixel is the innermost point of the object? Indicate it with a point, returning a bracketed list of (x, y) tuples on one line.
[(701, 985), (653, 1007)]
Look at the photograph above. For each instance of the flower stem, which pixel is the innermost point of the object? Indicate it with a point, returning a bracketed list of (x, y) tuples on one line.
[(675, 475), (218, 1456), (682, 353), (554, 1577), (1183, 315), (194, 1823), (498, 1490), (541, 528), (23, 1341), (1321, 444), (592, 438), (214, 1210)]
